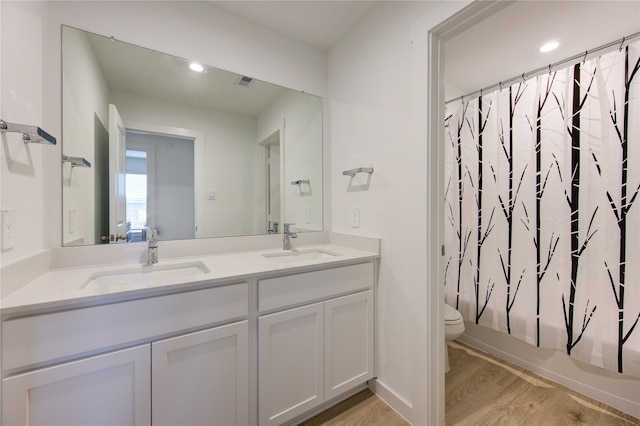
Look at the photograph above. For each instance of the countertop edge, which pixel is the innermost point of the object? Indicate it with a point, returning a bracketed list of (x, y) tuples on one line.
[(23, 309)]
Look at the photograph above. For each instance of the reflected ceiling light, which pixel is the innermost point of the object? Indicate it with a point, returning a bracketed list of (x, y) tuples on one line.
[(548, 47), (196, 67)]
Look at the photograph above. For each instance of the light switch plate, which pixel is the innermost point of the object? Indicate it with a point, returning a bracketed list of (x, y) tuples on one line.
[(8, 228), (355, 217)]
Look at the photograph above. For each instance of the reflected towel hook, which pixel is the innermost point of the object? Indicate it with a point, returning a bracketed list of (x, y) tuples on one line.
[(353, 172), (76, 161), (300, 182)]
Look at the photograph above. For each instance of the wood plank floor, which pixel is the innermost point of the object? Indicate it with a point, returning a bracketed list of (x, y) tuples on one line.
[(364, 408), (484, 390)]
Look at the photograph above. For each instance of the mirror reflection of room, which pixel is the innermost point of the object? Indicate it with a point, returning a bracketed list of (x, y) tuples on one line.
[(220, 151)]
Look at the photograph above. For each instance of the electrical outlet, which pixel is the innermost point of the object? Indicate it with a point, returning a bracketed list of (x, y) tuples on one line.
[(8, 228), (355, 217)]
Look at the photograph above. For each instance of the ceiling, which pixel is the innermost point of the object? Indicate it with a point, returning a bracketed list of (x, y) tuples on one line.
[(506, 44), (317, 23), (497, 48)]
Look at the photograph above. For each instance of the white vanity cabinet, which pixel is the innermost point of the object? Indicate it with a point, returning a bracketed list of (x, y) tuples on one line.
[(312, 353), (109, 389), (348, 342), (265, 351), (202, 378), (199, 377)]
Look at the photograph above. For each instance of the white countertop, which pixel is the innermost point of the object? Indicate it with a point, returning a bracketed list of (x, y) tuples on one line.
[(68, 286)]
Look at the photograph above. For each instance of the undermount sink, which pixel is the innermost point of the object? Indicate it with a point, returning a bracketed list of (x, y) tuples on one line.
[(289, 256), (146, 273)]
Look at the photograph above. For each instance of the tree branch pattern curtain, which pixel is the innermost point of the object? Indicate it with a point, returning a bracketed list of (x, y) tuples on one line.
[(542, 203)]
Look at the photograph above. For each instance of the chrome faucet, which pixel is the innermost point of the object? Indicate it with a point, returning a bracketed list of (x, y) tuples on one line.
[(287, 235), (152, 251)]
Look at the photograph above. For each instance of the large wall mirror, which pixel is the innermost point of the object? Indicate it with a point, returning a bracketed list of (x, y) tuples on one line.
[(155, 141)]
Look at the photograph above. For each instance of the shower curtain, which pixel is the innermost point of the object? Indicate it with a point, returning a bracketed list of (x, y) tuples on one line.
[(542, 199)]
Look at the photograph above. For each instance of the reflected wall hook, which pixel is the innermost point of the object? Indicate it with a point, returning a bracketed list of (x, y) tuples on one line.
[(353, 172), (30, 134), (300, 182), (76, 161)]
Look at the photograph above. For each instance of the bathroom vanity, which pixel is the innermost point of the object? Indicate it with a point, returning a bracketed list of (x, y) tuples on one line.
[(254, 337)]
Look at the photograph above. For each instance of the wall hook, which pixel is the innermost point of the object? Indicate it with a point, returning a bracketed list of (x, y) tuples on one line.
[(30, 134)]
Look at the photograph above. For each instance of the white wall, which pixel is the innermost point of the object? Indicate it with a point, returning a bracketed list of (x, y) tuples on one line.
[(31, 80), (22, 102), (86, 94), (376, 115)]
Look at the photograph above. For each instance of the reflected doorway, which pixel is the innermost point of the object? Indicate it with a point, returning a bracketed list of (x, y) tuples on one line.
[(273, 199), (163, 166)]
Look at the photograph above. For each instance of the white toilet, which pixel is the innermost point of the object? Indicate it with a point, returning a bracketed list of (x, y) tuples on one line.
[(453, 328)]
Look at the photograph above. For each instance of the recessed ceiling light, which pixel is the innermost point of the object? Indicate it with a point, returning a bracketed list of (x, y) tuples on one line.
[(196, 67), (548, 47)]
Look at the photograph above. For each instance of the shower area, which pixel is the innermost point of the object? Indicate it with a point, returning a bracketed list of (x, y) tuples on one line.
[(542, 208)]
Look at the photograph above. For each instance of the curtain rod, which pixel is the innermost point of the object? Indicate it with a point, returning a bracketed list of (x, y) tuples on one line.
[(548, 68)]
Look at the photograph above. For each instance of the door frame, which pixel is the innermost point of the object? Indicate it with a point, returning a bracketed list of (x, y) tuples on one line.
[(266, 143), (434, 409)]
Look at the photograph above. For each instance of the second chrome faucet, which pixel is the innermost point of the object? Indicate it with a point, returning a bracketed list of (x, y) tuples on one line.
[(287, 235)]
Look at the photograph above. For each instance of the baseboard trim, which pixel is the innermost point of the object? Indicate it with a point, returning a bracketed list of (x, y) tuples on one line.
[(392, 399)]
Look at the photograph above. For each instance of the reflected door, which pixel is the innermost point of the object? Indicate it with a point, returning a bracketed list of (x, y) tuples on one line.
[(117, 178), (273, 185)]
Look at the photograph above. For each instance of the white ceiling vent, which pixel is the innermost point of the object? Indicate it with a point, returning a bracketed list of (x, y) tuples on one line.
[(244, 81)]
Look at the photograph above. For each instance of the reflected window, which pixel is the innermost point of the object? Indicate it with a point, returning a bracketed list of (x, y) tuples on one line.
[(136, 190)]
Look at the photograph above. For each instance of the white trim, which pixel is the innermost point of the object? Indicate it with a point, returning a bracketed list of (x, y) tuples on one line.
[(273, 138), (392, 399), (435, 231)]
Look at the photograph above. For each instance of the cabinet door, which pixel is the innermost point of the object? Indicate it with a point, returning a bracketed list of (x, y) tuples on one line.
[(348, 331), (110, 389), (202, 378), (290, 363)]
